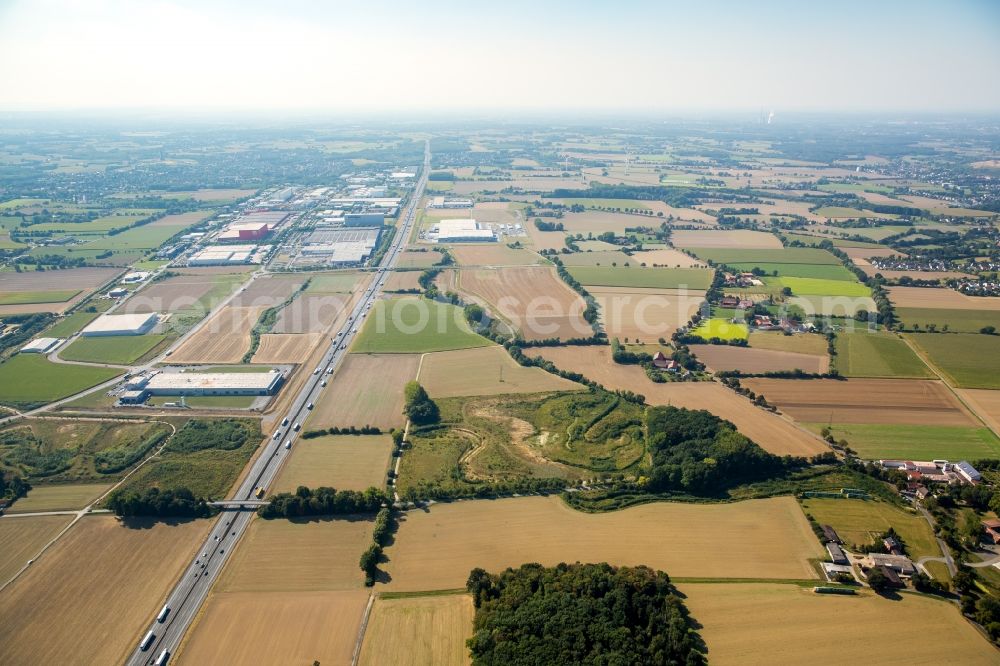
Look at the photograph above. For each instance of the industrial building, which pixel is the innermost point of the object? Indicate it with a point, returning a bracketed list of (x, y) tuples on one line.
[(209, 383), (442, 202), (245, 231), (366, 219), (219, 255), (462, 231), (41, 345), (341, 247), (125, 324), (135, 277)]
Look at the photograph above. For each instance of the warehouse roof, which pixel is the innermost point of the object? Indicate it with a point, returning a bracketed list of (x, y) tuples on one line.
[(212, 380), (123, 322)]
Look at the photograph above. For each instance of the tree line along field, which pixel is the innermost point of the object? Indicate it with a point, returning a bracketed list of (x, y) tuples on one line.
[(435, 549)]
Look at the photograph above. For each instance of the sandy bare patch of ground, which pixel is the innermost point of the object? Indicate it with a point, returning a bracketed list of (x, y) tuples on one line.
[(928, 297), (740, 239), (223, 339), (770, 431), (92, 596), (755, 361), (484, 371), (367, 389), (904, 401), (436, 548)]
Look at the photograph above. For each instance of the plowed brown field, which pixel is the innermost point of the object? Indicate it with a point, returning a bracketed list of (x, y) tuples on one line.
[(755, 361)]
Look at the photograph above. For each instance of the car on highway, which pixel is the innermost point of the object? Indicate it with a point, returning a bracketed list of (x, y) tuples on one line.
[(323, 383), (288, 444), (284, 422), (297, 427), (329, 371), (277, 434), (309, 406), (316, 371)]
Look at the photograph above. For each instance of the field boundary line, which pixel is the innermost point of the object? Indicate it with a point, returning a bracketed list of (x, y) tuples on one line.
[(361, 630)]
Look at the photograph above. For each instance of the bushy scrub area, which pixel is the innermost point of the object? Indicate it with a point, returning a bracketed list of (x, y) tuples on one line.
[(581, 614)]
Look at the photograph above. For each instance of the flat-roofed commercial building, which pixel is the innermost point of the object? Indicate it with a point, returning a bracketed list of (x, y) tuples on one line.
[(368, 219), (41, 346), (342, 247), (463, 231), (218, 255), (125, 324), (214, 383)]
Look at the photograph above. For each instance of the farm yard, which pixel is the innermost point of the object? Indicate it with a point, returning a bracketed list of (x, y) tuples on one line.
[(533, 300), (862, 522), (752, 361), (771, 432), (428, 629), (805, 627), (484, 371), (345, 462), (103, 574), (435, 548), (901, 401), (367, 389)]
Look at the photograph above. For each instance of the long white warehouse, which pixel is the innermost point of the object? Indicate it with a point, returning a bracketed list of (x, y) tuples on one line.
[(213, 383), (126, 324)]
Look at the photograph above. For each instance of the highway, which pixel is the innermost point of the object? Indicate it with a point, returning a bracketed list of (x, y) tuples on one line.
[(191, 590)]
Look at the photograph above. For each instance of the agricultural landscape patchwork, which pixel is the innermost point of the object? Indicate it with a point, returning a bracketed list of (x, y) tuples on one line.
[(365, 409)]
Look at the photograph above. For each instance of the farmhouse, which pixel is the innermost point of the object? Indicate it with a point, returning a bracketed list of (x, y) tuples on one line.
[(127, 324), (831, 571), (992, 529), (41, 345), (967, 472), (837, 555), (898, 563), (892, 545), (463, 230)]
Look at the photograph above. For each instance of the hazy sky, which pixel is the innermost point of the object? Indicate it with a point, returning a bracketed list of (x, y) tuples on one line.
[(505, 54)]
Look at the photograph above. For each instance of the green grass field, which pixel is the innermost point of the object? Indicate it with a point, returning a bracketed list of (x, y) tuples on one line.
[(861, 353), (816, 271), (788, 255), (98, 226), (30, 297), (119, 349), (722, 328), (70, 324), (29, 379), (856, 187), (888, 441), (959, 321), (842, 212), (637, 276), (606, 203), (415, 325), (837, 242), (802, 286), (858, 522), (968, 360)]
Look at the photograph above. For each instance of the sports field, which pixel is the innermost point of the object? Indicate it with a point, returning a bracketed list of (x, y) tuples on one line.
[(436, 548), (894, 401), (414, 325), (101, 574), (120, 349), (345, 462), (876, 441), (720, 327), (31, 379), (484, 371), (367, 389), (772, 623), (275, 628), (419, 630), (771, 432), (862, 522), (637, 276), (21, 539), (863, 353), (967, 360)]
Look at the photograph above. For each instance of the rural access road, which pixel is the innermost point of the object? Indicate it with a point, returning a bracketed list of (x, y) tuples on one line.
[(190, 592)]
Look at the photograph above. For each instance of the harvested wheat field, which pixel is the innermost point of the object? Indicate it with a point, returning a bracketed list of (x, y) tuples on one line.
[(324, 551), (546, 240), (344, 462), (367, 389), (223, 339), (644, 314), (949, 299), (532, 299), (484, 371), (418, 258), (800, 344), (269, 290), (905, 401), (668, 257), (419, 630), (403, 281), (770, 431), (985, 403), (59, 497), (275, 628), (757, 361), (286, 347), (738, 239), (494, 254), (74, 284), (22, 538), (100, 586), (803, 627), (436, 548), (313, 312)]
